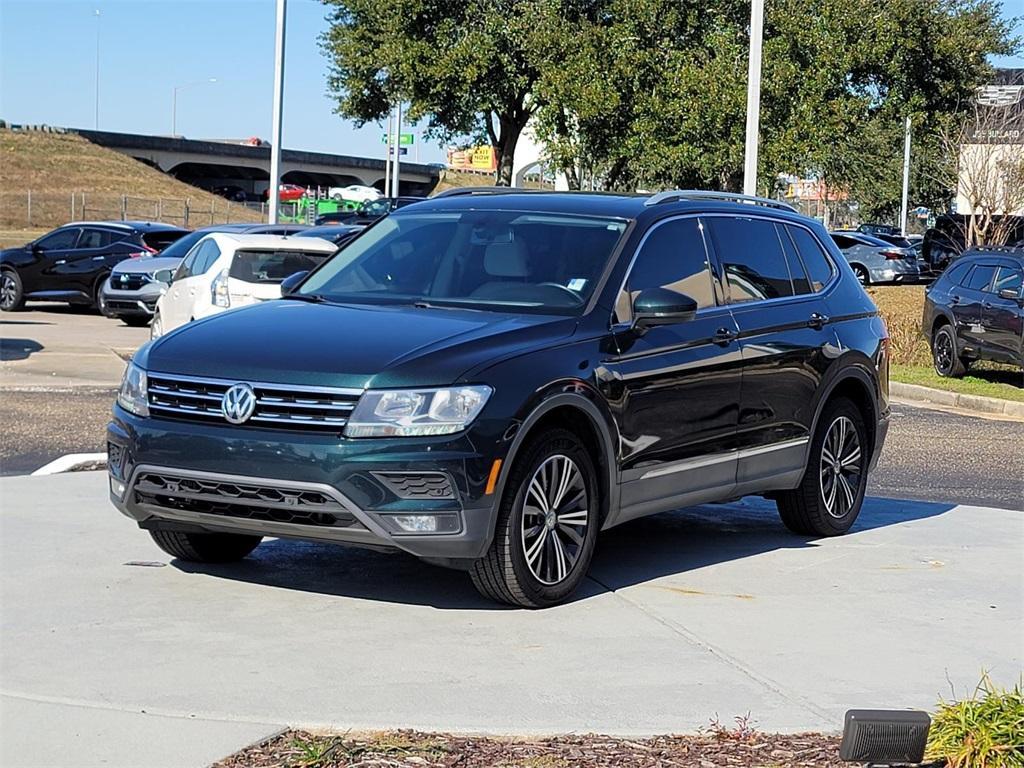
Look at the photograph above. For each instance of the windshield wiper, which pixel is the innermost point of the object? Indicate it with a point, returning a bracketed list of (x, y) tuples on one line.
[(312, 298)]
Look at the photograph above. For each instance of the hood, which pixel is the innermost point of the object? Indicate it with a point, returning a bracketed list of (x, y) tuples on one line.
[(295, 342), (147, 264)]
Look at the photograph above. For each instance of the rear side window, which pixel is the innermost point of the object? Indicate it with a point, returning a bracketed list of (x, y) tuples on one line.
[(272, 266), (844, 242), (160, 240), (672, 257), (801, 284), (209, 252), (1008, 278), (981, 277), (818, 267), (97, 238), (751, 256)]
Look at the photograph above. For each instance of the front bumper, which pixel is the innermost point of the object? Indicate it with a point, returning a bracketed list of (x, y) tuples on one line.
[(190, 476), (141, 302)]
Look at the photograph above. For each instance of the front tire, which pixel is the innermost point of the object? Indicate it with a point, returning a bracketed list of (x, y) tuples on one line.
[(156, 327), (547, 525), (12, 296), (947, 361), (829, 498), (135, 321), (206, 547)]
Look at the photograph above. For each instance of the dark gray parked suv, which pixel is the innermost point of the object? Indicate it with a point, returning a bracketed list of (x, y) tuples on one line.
[(489, 378)]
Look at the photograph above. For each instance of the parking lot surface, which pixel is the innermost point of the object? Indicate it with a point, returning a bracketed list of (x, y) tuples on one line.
[(715, 610)]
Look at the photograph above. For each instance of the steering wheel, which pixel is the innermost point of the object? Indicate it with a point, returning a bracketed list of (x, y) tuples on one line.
[(576, 297)]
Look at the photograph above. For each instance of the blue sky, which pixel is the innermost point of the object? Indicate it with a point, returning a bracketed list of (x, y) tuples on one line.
[(147, 47)]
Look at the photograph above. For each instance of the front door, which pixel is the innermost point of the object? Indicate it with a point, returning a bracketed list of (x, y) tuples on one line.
[(967, 303), (51, 253), (675, 388), (784, 329)]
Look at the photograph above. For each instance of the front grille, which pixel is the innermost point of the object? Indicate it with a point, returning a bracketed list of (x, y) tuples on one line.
[(129, 281), (278, 406), (242, 500)]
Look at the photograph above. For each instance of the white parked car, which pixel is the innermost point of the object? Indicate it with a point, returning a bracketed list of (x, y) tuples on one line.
[(355, 192), (223, 271)]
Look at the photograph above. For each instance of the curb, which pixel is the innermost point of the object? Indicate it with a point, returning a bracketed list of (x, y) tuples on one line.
[(70, 462), (976, 403)]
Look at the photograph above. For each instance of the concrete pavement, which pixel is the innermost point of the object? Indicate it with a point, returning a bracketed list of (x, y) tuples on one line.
[(709, 611)]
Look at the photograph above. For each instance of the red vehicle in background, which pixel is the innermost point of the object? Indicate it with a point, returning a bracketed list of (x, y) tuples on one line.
[(287, 193)]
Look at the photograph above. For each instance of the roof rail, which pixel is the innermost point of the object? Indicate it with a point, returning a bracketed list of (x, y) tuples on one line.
[(674, 195), (460, 191)]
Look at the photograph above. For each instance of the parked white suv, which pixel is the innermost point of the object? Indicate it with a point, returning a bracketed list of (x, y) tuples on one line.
[(223, 270)]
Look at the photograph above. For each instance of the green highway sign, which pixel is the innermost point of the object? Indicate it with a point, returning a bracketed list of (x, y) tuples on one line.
[(404, 139)]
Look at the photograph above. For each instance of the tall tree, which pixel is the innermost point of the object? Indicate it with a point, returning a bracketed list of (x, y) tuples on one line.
[(469, 67)]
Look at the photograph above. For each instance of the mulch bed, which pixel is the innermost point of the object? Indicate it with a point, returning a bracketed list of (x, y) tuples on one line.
[(717, 746)]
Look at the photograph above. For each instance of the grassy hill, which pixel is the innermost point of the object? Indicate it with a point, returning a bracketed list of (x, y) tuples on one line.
[(54, 167)]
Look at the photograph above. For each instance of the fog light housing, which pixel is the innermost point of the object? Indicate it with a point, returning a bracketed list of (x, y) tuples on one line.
[(117, 488), (423, 523), (879, 736)]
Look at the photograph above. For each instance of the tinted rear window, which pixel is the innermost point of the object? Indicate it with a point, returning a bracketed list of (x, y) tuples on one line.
[(752, 258), (819, 269), (272, 266), (160, 240), (981, 277)]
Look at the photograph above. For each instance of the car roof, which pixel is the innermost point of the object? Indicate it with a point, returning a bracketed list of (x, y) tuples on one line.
[(990, 253), (144, 226), (271, 242), (607, 204), (329, 229)]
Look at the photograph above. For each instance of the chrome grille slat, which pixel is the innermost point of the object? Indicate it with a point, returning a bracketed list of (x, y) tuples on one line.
[(278, 406)]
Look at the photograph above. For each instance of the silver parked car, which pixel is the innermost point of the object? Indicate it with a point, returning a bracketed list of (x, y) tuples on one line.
[(135, 285), (876, 261)]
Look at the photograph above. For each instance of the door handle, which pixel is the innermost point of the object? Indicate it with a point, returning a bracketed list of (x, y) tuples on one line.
[(98, 258), (724, 336), (987, 305), (60, 261), (817, 320), (954, 299)]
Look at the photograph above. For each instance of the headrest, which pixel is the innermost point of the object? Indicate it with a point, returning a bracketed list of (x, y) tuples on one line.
[(507, 259)]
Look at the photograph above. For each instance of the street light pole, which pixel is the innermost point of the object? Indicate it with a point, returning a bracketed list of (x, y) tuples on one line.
[(97, 114), (906, 180), (753, 97), (174, 101), (275, 140), (387, 154), (398, 150)]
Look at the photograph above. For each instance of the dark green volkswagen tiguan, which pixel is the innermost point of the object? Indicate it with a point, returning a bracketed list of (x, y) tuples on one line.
[(489, 378)]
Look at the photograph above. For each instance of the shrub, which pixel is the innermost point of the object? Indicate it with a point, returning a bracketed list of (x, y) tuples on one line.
[(985, 730)]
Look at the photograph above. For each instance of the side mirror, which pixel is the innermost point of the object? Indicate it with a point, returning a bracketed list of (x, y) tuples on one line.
[(164, 276), (37, 248), (660, 306), (1009, 293), (290, 283)]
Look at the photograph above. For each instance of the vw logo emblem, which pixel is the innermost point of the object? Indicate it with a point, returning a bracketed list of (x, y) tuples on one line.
[(238, 403)]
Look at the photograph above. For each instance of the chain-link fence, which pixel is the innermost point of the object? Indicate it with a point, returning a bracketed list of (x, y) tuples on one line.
[(32, 210)]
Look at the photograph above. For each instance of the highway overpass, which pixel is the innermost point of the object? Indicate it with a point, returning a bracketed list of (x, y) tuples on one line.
[(209, 164)]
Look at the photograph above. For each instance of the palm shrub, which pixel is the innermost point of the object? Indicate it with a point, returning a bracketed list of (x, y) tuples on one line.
[(985, 730)]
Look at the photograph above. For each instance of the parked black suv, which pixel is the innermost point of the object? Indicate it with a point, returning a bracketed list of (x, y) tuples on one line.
[(975, 311), (72, 262), (368, 211), (487, 379)]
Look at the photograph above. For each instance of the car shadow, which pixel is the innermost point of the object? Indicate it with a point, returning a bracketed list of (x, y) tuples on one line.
[(18, 349), (633, 553), (24, 322), (1006, 375)]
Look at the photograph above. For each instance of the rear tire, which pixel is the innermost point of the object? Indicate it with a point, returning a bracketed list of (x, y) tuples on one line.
[(135, 321), (12, 296), (829, 498), (863, 277), (206, 547), (547, 525), (945, 357)]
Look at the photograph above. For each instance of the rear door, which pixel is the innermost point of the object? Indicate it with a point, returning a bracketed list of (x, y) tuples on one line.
[(674, 389), (1003, 318), (784, 328)]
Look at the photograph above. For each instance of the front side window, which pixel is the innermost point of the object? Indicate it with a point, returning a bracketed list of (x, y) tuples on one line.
[(1008, 279), (272, 266), (62, 239), (981, 277), (673, 257), (752, 259), (516, 260)]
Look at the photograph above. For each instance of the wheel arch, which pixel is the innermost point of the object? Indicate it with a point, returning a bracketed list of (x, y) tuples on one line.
[(579, 414), (857, 386)]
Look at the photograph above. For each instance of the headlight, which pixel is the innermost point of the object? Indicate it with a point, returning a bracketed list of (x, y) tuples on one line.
[(416, 412), (132, 396)]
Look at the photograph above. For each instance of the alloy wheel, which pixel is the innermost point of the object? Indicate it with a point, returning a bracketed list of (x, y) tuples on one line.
[(8, 291), (943, 351), (841, 467), (555, 519)]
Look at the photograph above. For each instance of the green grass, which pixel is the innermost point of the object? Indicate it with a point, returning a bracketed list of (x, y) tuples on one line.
[(985, 730), (1003, 383)]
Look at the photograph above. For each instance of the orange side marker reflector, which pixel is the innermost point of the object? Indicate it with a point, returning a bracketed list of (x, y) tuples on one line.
[(492, 479)]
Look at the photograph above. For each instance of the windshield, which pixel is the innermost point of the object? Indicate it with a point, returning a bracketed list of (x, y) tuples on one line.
[(533, 262)]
